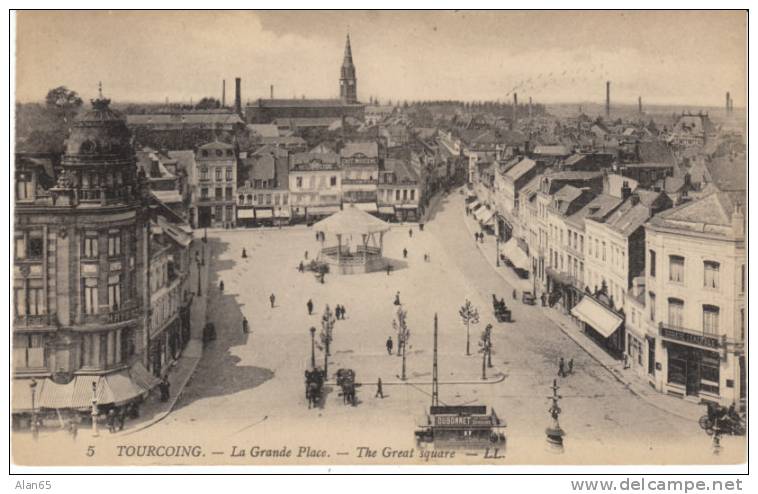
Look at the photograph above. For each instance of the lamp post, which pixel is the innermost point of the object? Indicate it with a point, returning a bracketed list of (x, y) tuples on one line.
[(497, 249), (94, 410), (313, 347), (33, 388), (554, 432), (199, 286)]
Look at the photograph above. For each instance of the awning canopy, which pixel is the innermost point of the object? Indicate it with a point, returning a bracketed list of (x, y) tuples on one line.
[(387, 209), (475, 204), (407, 206), (596, 315), (518, 257), (282, 213), (484, 215), (264, 213), (142, 377), (118, 388), (369, 207), (246, 213), (21, 399)]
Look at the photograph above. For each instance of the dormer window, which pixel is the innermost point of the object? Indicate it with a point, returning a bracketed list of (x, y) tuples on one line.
[(88, 147)]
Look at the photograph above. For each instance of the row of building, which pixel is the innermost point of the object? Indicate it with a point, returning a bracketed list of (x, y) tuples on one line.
[(648, 257)]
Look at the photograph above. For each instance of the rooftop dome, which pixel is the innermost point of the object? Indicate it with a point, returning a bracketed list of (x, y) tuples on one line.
[(99, 134)]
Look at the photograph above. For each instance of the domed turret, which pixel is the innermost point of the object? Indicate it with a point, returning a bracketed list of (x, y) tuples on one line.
[(99, 134)]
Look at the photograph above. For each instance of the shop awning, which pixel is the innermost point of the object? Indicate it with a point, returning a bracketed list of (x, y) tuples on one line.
[(387, 209), (484, 215), (513, 252), (323, 209), (21, 398), (118, 389), (142, 377), (245, 213), (282, 213), (601, 319), (369, 207), (475, 204), (560, 277), (57, 395), (264, 213), (407, 206)]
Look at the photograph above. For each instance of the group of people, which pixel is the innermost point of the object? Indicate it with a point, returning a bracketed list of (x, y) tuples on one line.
[(565, 369), (339, 312), (479, 237)]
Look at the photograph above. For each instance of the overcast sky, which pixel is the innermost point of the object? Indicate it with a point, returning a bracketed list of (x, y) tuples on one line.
[(667, 58)]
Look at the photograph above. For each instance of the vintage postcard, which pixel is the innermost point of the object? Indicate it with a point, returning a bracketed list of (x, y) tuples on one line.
[(249, 238)]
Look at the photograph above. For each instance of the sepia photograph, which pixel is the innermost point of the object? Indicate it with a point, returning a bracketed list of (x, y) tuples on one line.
[(378, 237)]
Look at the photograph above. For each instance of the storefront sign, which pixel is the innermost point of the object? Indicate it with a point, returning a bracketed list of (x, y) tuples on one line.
[(693, 339)]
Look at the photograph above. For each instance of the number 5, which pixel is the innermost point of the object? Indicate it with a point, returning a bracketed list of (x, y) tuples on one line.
[(90, 450)]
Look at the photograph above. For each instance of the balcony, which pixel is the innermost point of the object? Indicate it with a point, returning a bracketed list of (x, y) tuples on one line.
[(112, 316), (32, 321)]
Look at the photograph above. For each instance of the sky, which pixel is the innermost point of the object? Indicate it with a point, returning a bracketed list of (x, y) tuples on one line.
[(689, 58)]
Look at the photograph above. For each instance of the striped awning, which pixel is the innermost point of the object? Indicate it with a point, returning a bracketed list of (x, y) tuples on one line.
[(601, 319), (142, 377), (513, 252), (118, 388), (245, 213), (484, 215)]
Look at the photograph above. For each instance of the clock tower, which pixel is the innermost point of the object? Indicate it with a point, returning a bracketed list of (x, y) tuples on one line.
[(348, 82)]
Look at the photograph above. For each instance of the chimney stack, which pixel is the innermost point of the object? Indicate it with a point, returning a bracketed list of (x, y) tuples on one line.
[(530, 107), (238, 95), (639, 104), (515, 107), (223, 93), (728, 103), (272, 91), (607, 98)]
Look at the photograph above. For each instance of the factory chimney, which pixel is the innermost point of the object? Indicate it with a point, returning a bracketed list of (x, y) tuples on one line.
[(238, 96), (530, 107), (515, 107), (223, 93), (728, 103), (607, 99), (272, 91), (639, 104)]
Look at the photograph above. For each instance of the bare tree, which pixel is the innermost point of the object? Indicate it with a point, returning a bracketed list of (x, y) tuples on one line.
[(469, 315), (400, 325)]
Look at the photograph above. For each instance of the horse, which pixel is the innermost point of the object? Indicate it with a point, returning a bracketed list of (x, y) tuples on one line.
[(346, 381), (314, 380)]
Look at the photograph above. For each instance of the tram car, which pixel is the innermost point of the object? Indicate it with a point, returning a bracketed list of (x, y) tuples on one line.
[(460, 427)]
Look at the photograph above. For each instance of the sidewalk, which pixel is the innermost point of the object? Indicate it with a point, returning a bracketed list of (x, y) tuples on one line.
[(153, 410), (628, 377)]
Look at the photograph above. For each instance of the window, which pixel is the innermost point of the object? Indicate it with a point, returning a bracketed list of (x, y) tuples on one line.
[(218, 212), (299, 182), (229, 193), (89, 292), (36, 245), (676, 269), (249, 199), (114, 292), (204, 153), (710, 274), (218, 174), (397, 194), (603, 251), (89, 247), (651, 295), (413, 194), (333, 181), (276, 199), (742, 279), (405, 194), (219, 193), (24, 188), (597, 248), (241, 199), (204, 193), (219, 153), (229, 175), (20, 246), (229, 213), (268, 199), (204, 171), (710, 319), (114, 244), (581, 243), (229, 152), (284, 199), (676, 312)]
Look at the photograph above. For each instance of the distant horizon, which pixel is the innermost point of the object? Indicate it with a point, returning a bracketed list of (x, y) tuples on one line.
[(663, 56)]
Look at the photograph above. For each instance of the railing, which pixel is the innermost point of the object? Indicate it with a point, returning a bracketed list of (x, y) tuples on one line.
[(359, 181), (34, 320), (113, 316)]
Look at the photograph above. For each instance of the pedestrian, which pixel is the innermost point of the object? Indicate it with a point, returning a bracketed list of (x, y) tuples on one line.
[(397, 298), (542, 298), (476, 237), (379, 391), (342, 312), (306, 255), (110, 420), (301, 267), (121, 418), (410, 232), (481, 238), (571, 366), (561, 368), (514, 294), (389, 345), (389, 269), (272, 299), (245, 325), (317, 236), (421, 227), (626, 361), (221, 286), (164, 387), (405, 253), (309, 305), (337, 311), (73, 428), (244, 253)]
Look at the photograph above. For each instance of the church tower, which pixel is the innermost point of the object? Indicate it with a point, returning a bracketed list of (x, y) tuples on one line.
[(348, 82)]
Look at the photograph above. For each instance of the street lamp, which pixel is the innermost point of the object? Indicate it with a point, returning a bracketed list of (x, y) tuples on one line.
[(313, 347), (199, 286), (497, 249), (554, 433), (94, 409), (33, 388)]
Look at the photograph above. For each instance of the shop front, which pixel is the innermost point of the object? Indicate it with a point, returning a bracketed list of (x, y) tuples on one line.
[(600, 323), (693, 363)]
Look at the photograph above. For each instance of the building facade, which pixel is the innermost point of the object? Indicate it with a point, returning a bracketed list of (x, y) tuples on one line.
[(315, 185), (214, 186)]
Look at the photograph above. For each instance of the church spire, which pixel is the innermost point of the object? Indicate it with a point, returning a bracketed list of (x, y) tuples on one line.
[(348, 81)]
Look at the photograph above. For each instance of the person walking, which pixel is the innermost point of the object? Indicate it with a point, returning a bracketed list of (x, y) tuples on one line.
[(73, 428), (405, 253), (397, 298), (121, 418), (389, 269), (110, 420), (379, 391), (410, 232), (245, 326), (571, 366), (421, 227), (306, 255), (221, 286), (515, 294), (272, 299), (561, 368), (165, 388), (309, 305), (244, 253), (338, 311), (301, 267), (389, 345)]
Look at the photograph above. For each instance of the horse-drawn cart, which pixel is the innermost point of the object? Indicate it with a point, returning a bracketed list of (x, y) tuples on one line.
[(346, 382), (501, 311), (314, 385)]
